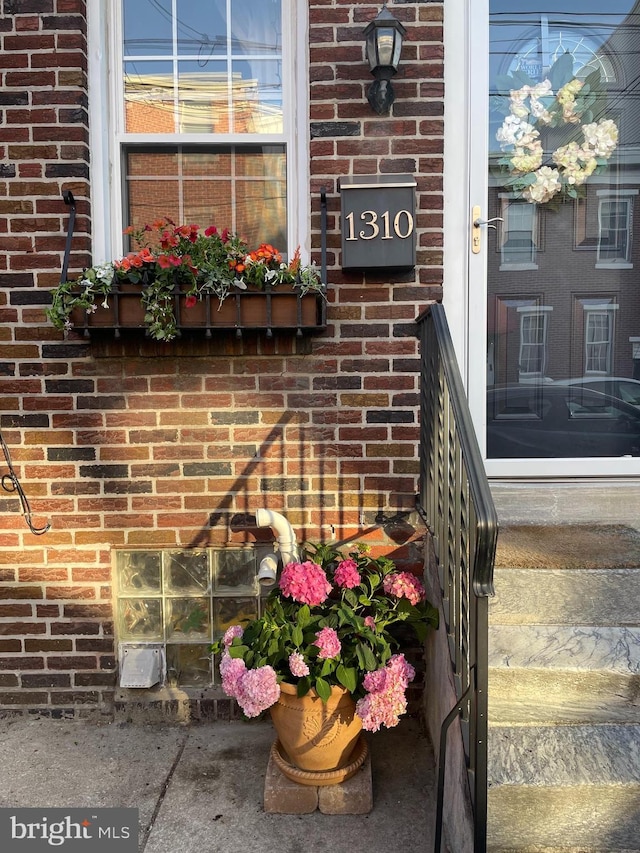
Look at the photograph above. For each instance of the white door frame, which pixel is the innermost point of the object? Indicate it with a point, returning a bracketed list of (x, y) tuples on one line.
[(466, 44)]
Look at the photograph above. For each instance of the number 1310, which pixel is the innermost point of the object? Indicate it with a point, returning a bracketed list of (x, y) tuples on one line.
[(381, 224)]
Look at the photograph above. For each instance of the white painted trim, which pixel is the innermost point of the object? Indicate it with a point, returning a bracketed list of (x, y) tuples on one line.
[(100, 130), (456, 175)]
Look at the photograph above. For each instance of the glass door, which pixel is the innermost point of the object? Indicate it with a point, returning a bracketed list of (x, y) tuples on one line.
[(563, 257)]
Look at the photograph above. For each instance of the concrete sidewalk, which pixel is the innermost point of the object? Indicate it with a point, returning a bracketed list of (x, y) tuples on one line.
[(200, 788)]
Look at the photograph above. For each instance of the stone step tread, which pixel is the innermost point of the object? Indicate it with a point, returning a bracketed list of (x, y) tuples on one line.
[(493, 848), (567, 546), (561, 647), (587, 818), (551, 695), (573, 756), (549, 597)]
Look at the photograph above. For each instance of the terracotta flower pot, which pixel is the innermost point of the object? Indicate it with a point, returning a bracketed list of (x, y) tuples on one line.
[(317, 737)]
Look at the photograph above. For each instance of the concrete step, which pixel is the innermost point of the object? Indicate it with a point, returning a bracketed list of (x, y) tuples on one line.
[(564, 691), (555, 673), (564, 788), (570, 597)]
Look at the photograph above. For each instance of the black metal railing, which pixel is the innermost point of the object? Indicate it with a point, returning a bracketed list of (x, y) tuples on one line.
[(457, 506)]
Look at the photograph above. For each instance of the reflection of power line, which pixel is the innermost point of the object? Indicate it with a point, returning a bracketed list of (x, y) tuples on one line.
[(203, 42), (236, 46)]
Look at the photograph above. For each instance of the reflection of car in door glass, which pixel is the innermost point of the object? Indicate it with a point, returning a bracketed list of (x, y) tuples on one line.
[(559, 420), (623, 388)]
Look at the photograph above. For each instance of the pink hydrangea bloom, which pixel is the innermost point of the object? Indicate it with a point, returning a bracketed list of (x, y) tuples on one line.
[(370, 622), (375, 681), (328, 643), (232, 671), (231, 633), (401, 669), (305, 582), (385, 701), (404, 585), (297, 665), (347, 574), (381, 709), (257, 690)]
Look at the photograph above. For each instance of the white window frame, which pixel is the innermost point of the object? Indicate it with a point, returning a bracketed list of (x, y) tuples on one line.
[(540, 312), (594, 309), (509, 205), (107, 136), (625, 196)]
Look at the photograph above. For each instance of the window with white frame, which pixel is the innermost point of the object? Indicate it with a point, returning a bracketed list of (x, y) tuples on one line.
[(204, 110), (598, 337), (615, 224), (519, 239), (534, 322)]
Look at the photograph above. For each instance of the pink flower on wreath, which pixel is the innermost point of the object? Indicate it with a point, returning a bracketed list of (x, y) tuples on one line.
[(404, 585), (328, 643), (370, 622), (347, 574), (305, 582), (231, 633), (297, 665)]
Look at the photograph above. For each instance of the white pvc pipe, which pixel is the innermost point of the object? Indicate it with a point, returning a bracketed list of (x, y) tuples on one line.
[(268, 570), (287, 544)]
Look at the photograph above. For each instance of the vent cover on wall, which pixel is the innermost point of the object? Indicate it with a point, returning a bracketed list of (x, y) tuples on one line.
[(141, 666)]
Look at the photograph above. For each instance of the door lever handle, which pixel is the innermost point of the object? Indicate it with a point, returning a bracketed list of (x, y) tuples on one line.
[(477, 223)]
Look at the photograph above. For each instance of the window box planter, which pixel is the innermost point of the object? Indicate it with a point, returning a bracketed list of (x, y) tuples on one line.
[(262, 311), (184, 278)]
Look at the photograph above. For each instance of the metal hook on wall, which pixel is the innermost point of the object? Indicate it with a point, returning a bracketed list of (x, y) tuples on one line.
[(10, 483)]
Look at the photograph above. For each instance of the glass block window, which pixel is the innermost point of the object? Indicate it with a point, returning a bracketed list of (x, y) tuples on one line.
[(185, 600)]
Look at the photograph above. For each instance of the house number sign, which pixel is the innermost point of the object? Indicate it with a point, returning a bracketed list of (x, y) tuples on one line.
[(378, 222)]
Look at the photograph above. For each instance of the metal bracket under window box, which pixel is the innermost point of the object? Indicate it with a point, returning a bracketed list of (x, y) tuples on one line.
[(141, 665)]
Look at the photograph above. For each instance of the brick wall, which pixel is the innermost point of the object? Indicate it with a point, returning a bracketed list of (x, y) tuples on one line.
[(132, 443)]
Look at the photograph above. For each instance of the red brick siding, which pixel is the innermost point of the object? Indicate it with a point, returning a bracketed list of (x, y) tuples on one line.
[(140, 444)]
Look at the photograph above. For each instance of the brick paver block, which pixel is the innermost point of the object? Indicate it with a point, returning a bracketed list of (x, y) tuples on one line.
[(355, 796), (283, 796)]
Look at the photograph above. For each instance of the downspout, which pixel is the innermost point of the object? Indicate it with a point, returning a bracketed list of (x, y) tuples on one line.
[(287, 545)]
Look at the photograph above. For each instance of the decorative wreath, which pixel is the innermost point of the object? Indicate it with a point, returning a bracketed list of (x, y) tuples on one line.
[(560, 99)]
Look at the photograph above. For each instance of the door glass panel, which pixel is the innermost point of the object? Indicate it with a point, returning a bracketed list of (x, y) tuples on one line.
[(563, 336)]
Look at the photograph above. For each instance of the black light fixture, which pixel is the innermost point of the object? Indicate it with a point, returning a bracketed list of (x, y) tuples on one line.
[(384, 43)]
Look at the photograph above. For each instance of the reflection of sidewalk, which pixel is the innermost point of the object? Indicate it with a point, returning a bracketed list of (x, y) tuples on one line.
[(200, 788)]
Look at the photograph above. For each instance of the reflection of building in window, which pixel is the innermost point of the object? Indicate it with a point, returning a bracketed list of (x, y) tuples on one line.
[(598, 336), (518, 234), (200, 103), (534, 322), (242, 187), (615, 223)]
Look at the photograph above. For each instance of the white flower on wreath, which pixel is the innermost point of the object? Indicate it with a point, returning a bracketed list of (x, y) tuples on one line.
[(520, 139), (546, 185)]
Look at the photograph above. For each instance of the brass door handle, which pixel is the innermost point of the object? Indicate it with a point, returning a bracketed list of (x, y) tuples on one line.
[(477, 224)]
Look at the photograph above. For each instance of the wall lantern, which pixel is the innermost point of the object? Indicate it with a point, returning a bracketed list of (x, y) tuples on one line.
[(384, 37)]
